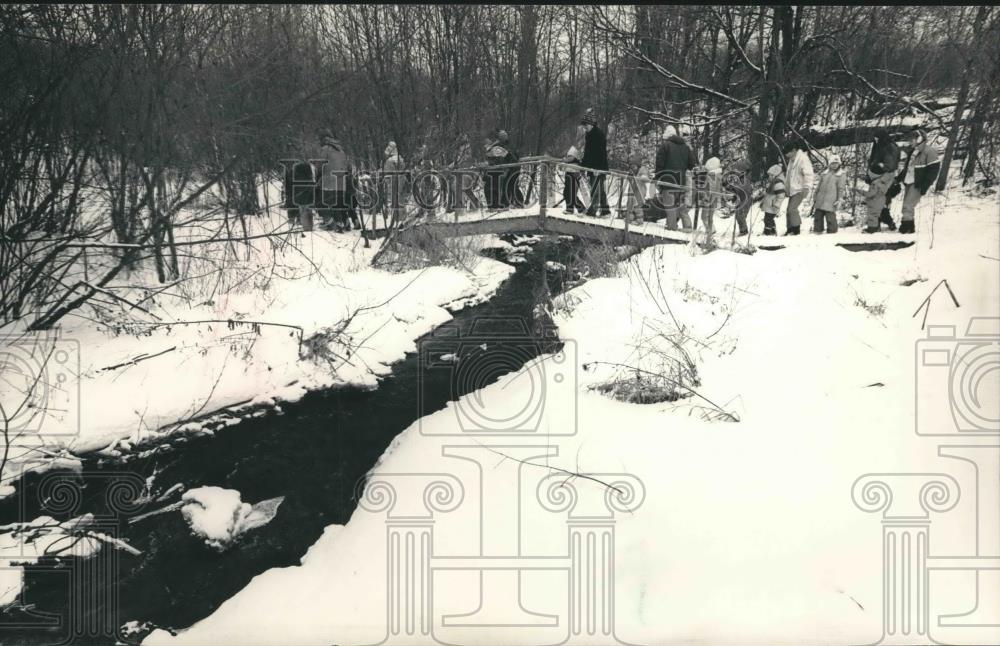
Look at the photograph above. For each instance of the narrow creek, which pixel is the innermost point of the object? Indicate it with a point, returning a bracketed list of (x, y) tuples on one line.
[(313, 454)]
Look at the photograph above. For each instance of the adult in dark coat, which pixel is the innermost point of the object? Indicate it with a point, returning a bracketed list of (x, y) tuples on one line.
[(884, 157), (500, 183), (512, 176), (883, 163), (673, 159), (595, 156), (300, 192)]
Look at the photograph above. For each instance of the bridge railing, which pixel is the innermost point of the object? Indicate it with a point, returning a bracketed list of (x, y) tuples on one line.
[(533, 185), (541, 182)]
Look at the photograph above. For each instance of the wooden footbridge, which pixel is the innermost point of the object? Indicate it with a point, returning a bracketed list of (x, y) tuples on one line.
[(541, 186)]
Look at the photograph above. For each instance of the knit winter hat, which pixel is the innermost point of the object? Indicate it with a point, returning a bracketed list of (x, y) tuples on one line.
[(713, 165), (588, 119), (774, 170), (669, 132)]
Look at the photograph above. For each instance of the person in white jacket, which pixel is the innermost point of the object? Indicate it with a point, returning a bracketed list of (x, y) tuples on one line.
[(798, 182)]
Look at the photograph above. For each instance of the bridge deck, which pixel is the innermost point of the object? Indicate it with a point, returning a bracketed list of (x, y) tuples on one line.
[(529, 220)]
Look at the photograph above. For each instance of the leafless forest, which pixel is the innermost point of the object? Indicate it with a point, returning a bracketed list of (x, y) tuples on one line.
[(117, 118)]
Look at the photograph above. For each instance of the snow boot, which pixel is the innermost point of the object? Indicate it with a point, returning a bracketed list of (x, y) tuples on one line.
[(792, 231), (886, 219), (770, 228), (871, 230), (906, 226)]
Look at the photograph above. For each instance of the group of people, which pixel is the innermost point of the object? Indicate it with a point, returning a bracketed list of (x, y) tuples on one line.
[(674, 161), (888, 175), (662, 192)]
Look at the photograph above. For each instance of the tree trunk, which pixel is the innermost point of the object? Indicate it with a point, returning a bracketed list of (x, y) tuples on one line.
[(963, 96)]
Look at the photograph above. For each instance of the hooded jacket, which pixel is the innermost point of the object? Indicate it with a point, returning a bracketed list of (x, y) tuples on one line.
[(884, 157), (673, 158), (925, 166), (774, 193), (799, 173), (830, 190), (337, 167), (393, 162), (497, 153)]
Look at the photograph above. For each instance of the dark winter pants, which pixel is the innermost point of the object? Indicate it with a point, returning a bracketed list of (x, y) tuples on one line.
[(792, 218), (571, 193), (741, 217), (674, 203), (514, 198), (828, 217), (598, 197), (496, 196), (769, 223), (333, 208)]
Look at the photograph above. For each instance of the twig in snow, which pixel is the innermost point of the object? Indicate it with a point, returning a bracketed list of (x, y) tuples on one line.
[(926, 304), (157, 512), (141, 357), (119, 298), (572, 474)]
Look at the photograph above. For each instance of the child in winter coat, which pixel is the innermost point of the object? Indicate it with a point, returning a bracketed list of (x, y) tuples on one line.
[(774, 195), (709, 188), (639, 187), (829, 191), (571, 177), (737, 182), (394, 182), (875, 199)]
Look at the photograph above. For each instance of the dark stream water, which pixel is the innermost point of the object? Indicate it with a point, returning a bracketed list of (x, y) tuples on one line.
[(313, 454)]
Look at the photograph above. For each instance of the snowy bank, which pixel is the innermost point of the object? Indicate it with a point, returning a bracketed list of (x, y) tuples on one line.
[(304, 314)]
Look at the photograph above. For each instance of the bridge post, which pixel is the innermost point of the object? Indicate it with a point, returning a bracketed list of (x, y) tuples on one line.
[(543, 191), (627, 216)]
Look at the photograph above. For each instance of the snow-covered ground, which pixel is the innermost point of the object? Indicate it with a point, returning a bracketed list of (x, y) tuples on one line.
[(750, 532), (326, 318)]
